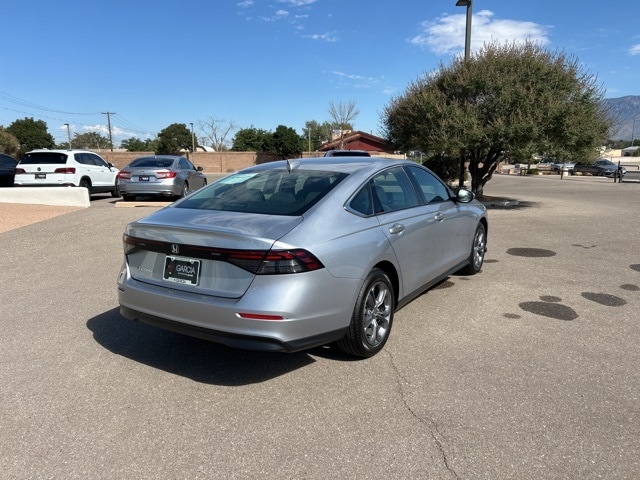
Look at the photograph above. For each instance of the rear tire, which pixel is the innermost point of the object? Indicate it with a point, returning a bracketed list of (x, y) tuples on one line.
[(478, 249), (85, 183), (372, 317)]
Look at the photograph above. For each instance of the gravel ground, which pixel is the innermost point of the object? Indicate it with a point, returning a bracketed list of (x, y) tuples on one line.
[(16, 215)]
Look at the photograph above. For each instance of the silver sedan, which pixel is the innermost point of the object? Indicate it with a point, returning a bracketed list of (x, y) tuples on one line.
[(294, 254), (163, 175)]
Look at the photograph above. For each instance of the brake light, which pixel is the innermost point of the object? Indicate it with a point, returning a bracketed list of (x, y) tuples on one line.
[(258, 262), (19, 171), (165, 174), (124, 175), (65, 170)]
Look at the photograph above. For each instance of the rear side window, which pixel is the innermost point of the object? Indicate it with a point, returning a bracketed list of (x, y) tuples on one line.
[(273, 192), (44, 158)]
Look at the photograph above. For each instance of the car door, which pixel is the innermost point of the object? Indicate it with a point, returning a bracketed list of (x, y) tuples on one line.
[(101, 175), (453, 227), (193, 176), (410, 227)]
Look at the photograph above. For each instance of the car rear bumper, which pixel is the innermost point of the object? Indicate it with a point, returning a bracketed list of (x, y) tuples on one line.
[(149, 189), (235, 340), (312, 312)]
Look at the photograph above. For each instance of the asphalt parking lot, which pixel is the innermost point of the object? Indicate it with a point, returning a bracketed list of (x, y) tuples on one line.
[(528, 370)]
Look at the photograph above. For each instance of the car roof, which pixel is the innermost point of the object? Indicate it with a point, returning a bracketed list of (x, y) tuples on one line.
[(59, 150), (172, 157), (334, 164)]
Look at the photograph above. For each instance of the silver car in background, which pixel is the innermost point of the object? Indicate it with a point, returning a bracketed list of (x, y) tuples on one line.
[(164, 175), (289, 255)]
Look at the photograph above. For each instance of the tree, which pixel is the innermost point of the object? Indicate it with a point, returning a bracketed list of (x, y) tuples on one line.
[(90, 141), (31, 134), (252, 140), (215, 132), (8, 143), (174, 138), (316, 134), (286, 142), (508, 101), (342, 114), (134, 144)]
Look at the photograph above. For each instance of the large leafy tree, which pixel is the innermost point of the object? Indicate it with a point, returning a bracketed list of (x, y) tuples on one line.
[(134, 144), (8, 143), (315, 134), (252, 140), (505, 102), (90, 141), (173, 139), (286, 142), (31, 134)]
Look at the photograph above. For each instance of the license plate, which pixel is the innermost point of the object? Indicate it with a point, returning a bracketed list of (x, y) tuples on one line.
[(41, 176), (181, 270), (143, 178)]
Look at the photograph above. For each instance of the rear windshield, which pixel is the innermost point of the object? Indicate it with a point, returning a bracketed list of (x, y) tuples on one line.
[(151, 163), (349, 153), (40, 158), (272, 192)]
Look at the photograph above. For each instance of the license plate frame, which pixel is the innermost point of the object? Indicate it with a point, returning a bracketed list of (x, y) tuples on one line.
[(181, 270), (40, 176), (143, 178)]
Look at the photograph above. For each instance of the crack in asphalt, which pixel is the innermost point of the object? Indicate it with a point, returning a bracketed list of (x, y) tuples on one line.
[(434, 431)]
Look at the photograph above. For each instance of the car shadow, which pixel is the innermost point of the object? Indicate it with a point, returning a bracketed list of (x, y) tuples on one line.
[(199, 360)]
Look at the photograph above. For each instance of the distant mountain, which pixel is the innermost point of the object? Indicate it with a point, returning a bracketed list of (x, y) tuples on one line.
[(624, 111)]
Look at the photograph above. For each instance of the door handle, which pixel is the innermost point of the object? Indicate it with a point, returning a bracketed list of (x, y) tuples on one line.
[(439, 217), (396, 229)]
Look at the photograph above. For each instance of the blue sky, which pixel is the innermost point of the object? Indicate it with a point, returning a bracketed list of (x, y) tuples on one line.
[(265, 63)]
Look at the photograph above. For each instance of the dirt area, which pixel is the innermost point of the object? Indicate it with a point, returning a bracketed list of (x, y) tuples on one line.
[(15, 215)]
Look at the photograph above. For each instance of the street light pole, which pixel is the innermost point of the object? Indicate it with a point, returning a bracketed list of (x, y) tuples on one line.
[(467, 54), (193, 140), (68, 135)]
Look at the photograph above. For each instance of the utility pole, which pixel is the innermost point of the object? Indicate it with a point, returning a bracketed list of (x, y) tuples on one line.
[(108, 114), (68, 135), (193, 139)]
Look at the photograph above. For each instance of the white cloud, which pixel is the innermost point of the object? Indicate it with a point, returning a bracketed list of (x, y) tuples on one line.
[(357, 81), (447, 34), (327, 37), (245, 4), (298, 3), (635, 50)]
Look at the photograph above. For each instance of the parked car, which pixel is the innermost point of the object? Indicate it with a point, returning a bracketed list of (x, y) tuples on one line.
[(7, 170), (555, 165), (347, 153), (289, 255), (599, 167), (69, 168), (165, 175)]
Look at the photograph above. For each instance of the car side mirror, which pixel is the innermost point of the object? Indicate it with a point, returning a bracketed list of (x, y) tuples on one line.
[(464, 195), (199, 169)]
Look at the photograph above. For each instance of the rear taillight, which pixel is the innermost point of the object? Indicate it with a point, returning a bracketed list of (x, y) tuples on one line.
[(124, 175), (65, 170), (20, 170), (165, 174), (258, 262)]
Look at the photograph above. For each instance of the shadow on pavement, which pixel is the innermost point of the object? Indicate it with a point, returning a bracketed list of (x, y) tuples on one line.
[(504, 203), (199, 360)]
